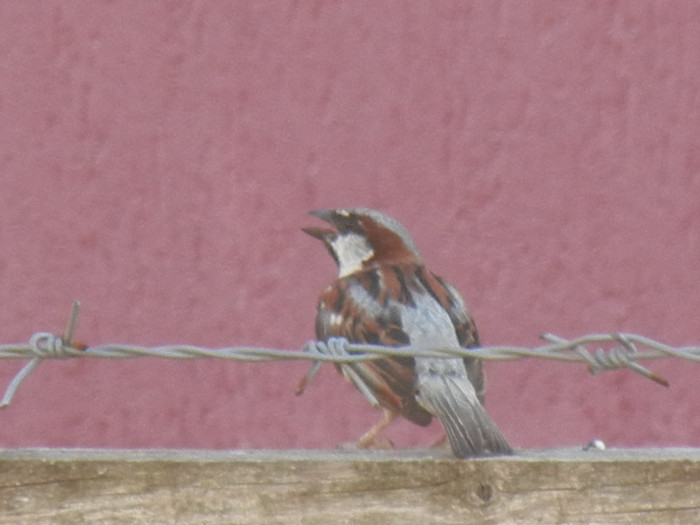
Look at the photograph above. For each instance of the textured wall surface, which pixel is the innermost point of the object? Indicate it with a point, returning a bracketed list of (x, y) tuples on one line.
[(157, 160)]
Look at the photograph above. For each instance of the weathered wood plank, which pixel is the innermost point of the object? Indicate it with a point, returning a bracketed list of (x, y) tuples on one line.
[(318, 487)]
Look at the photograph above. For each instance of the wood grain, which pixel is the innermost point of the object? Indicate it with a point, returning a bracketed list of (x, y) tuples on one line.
[(320, 487)]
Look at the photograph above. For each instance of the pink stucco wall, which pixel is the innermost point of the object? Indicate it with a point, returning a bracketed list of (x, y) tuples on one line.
[(157, 160)]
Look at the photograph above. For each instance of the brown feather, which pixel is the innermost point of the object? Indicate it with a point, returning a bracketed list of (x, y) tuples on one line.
[(393, 378), (380, 298)]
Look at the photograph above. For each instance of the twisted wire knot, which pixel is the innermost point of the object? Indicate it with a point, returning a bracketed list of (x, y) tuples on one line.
[(612, 359), (338, 347), (618, 357), (623, 356), (46, 345)]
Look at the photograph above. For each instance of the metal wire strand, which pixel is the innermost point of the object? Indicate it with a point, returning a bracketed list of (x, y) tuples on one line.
[(622, 351)]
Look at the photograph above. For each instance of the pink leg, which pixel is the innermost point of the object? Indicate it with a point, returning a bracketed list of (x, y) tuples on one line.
[(439, 441), (368, 437)]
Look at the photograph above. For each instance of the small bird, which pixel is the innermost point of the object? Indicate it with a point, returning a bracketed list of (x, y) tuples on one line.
[(385, 295)]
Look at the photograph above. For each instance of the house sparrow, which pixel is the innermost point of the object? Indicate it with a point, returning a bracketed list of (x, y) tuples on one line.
[(385, 295)]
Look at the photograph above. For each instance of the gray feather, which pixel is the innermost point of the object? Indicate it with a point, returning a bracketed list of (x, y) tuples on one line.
[(443, 389)]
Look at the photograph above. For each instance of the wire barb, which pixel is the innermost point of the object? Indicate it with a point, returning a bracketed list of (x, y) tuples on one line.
[(72, 323), (618, 350), (44, 345), (613, 359)]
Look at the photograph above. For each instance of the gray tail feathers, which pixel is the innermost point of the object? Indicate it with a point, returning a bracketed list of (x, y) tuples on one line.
[(470, 430)]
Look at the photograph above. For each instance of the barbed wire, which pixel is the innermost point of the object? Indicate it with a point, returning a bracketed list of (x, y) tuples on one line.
[(625, 353)]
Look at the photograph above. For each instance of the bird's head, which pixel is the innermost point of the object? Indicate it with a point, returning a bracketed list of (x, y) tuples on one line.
[(362, 237)]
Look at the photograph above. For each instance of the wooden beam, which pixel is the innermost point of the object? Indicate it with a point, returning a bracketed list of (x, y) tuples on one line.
[(642, 486)]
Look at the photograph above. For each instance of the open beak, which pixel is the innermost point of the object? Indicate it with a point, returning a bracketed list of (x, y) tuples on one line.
[(322, 234), (329, 216)]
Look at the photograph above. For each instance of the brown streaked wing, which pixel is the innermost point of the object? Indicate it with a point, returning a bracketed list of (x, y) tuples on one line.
[(392, 379)]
